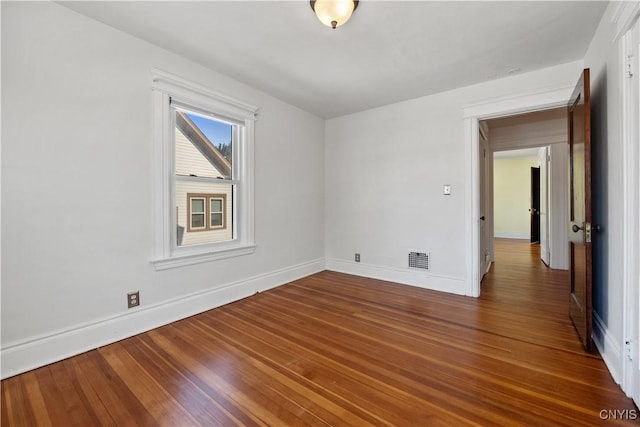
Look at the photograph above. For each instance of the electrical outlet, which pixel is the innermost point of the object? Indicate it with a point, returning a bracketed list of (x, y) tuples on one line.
[(133, 299), (357, 257)]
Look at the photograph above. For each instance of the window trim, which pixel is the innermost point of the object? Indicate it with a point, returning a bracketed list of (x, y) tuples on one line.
[(165, 88)]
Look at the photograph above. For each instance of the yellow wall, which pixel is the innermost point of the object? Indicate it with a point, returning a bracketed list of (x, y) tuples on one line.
[(511, 196)]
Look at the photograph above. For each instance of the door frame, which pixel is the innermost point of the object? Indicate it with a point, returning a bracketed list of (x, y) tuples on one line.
[(630, 45), (472, 114), (544, 157)]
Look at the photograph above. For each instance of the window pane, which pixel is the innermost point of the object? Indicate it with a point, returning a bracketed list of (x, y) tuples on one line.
[(197, 205), (216, 220), (216, 205), (197, 220), (203, 146)]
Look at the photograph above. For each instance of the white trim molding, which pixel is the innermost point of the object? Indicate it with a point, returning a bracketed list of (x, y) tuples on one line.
[(630, 98), (22, 356), (625, 15), (608, 347), (433, 282), (199, 94), (512, 235), (526, 102)]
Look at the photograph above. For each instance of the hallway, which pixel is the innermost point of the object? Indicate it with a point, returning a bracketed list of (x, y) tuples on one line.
[(531, 295)]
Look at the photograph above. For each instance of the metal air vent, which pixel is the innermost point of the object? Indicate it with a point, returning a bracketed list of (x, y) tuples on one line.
[(419, 260)]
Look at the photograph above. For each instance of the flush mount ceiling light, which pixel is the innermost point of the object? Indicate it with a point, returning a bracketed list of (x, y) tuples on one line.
[(333, 13)]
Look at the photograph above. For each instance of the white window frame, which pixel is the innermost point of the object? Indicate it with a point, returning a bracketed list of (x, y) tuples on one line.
[(166, 88)]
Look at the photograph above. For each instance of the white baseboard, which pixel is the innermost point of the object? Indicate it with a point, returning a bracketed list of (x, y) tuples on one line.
[(511, 235), (29, 354), (608, 347), (407, 277)]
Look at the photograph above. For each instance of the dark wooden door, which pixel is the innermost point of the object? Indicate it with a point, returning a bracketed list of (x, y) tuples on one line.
[(534, 210), (580, 251)]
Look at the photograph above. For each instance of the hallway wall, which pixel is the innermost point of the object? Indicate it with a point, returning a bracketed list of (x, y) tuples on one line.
[(512, 196)]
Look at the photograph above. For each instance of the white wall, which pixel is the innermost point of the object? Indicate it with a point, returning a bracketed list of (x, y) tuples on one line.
[(76, 190), (512, 196), (603, 60), (385, 171), (559, 205)]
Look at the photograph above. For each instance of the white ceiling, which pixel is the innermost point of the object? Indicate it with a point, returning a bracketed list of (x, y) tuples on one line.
[(389, 51)]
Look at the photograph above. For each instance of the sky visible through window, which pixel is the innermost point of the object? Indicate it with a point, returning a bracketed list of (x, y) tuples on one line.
[(217, 132)]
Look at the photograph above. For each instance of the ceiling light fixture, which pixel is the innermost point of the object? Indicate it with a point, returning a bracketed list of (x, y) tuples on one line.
[(333, 13)]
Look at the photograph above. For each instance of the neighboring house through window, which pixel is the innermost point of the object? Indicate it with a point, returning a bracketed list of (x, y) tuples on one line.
[(204, 178)]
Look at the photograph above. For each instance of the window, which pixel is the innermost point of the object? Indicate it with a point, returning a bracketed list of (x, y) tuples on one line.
[(206, 212), (197, 214), (204, 173), (216, 211)]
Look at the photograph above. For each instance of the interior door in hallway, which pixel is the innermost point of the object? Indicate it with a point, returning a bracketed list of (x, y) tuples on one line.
[(485, 204), (534, 209), (580, 249)]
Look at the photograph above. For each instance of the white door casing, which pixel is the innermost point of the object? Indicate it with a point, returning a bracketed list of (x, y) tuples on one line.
[(543, 160), (630, 382)]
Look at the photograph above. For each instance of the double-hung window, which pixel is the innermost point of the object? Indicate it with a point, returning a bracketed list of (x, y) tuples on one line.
[(203, 184)]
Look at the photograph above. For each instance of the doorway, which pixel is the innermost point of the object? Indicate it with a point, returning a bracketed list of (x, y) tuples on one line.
[(518, 205), (510, 206), (473, 115)]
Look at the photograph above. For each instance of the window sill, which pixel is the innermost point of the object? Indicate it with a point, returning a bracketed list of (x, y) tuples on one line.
[(199, 258)]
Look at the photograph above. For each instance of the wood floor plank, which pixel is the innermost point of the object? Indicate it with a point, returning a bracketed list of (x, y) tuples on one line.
[(91, 398), (164, 408), (123, 406), (49, 387), (16, 404), (333, 349), (71, 398), (170, 376)]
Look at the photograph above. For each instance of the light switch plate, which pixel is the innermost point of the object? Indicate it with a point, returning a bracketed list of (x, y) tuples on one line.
[(447, 190)]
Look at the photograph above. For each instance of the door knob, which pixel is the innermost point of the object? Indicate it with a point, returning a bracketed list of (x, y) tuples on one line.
[(576, 228), (482, 217)]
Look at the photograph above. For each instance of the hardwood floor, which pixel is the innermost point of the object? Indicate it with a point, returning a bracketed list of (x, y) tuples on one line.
[(333, 349)]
